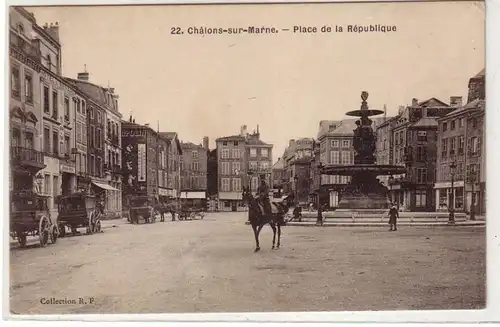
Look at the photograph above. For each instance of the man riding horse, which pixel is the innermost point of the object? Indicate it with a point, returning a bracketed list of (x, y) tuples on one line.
[(263, 195)]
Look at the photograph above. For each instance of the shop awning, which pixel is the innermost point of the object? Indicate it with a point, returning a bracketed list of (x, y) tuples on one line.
[(192, 195), (104, 186)]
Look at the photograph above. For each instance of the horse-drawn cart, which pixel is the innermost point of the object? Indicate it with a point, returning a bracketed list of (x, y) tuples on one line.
[(191, 213), (142, 207), (30, 215), (79, 210)]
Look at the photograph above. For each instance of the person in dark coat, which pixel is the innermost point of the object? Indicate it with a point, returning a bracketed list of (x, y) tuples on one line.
[(263, 195), (393, 217)]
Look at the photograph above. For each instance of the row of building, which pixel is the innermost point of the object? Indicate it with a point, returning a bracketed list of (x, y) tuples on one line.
[(440, 144)]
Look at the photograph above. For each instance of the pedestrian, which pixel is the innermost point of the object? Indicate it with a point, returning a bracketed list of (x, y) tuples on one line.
[(393, 217)]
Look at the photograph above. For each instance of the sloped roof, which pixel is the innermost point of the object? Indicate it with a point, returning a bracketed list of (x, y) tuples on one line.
[(475, 104), (170, 136), (324, 126), (425, 122), (255, 141), (94, 92), (432, 102), (190, 145), (280, 164), (230, 138), (481, 74)]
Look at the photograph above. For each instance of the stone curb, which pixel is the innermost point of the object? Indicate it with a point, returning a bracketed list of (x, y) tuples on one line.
[(477, 224)]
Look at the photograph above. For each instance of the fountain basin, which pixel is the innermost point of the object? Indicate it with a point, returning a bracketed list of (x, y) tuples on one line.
[(350, 170)]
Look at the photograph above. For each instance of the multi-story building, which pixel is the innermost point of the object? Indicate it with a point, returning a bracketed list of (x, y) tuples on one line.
[(297, 160), (259, 155), (384, 146), (315, 175), (194, 173), (174, 154), (414, 134), (104, 142), (335, 148), (25, 115), (140, 165), (212, 185), (278, 177), (163, 190), (461, 155), (241, 160), (231, 171)]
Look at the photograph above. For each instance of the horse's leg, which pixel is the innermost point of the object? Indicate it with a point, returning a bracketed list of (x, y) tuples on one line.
[(279, 236), (257, 248), (273, 226), (257, 232)]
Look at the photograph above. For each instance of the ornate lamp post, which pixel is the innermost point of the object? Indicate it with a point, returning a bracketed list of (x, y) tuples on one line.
[(391, 180), (451, 219), (472, 179)]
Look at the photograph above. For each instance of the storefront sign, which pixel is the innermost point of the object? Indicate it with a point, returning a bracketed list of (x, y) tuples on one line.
[(141, 162), (67, 169), (163, 192)]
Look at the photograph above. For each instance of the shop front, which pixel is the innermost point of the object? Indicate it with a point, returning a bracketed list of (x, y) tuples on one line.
[(445, 195), (231, 201)]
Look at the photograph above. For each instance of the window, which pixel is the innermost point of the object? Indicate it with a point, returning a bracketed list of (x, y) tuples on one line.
[(54, 104), (345, 143), (76, 103), (452, 146), (225, 184), (445, 126), (16, 137), (55, 143), (67, 145), (420, 198), (46, 99), (421, 153), (264, 165), (253, 165), (237, 184), (461, 122), (422, 136), (236, 167), (29, 140), (91, 113), (236, 153), (15, 82), (49, 62), (46, 184), (461, 145), (346, 157), (98, 114), (444, 148), (335, 143), (421, 175), (235, 143), (83, 163), (28, 88), (194, 154), (98, 138), (20, 28), (255, 183), (335, 157), (46, 140), (253, 152), (84, 108), (452, 125), (98, 167), (196, 166), (264, 153), (474, 122), (66, 108), (224, 153), (226, 168), (55, 189), (224, 143)]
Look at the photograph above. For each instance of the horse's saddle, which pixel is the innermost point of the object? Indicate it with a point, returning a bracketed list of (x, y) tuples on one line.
[(275, 208)]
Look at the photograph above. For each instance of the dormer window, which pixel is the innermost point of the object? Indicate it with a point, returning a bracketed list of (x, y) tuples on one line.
[(20, 28), (49, 61)]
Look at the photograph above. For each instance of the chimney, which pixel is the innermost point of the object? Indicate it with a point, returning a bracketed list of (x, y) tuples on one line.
[(291, 142), (243, 130), (414, 102), (52, 30), (205, 142), (130, 119), (455, 101), (147, 124)]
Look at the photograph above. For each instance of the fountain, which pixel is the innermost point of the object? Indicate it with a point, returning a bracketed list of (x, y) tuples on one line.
[(364, 192)]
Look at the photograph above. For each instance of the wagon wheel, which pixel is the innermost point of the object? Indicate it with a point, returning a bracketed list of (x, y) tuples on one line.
[(62, 230), (97, 226), (21, 238), (55, 234), (44, 231)]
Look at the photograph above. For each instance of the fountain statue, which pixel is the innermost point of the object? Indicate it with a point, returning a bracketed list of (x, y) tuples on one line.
[(364, 191)]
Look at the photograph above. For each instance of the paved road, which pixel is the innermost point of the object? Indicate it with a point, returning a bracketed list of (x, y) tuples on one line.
[(209, 265)]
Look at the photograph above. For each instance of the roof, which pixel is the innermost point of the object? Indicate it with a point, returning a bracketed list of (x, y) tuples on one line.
[(425, 122), (475, 104), (280, 164), (94, 92), (324, 126), (255, 141), (481, 74), (191, 145), (230, 138), (170, 136), (432, 102), (343, 128)]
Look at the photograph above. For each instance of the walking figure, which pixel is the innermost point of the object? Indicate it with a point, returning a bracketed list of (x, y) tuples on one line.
[(393, 217)]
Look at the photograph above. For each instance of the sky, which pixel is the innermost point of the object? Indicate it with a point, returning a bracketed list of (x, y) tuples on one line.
[(286, 83)]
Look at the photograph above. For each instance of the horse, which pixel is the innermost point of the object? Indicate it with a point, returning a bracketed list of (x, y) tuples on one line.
[(258, 219)]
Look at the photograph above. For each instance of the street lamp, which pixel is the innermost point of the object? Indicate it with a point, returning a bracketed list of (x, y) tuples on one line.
[(472, 180), (451, 219), (390, 181)]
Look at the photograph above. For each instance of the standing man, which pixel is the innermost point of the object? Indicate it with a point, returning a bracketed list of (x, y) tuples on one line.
[(263, 195), (393, 217)]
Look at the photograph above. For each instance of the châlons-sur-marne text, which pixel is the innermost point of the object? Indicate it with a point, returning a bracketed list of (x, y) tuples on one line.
[(296, 29)]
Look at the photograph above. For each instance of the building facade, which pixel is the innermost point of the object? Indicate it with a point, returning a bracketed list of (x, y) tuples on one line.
[(278, 177), (414, 145), (174, 153), (461, 155), (259, 156), (193, 167), (25, 117)]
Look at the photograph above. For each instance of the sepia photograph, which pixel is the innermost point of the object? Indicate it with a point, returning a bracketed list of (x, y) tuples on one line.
[(223, 158)]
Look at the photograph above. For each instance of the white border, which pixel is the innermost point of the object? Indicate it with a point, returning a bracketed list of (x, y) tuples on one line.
[(493, 243)]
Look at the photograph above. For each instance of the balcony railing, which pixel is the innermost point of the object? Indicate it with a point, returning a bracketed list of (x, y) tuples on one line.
[(24, 46), (27, 156), (117, 169)]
